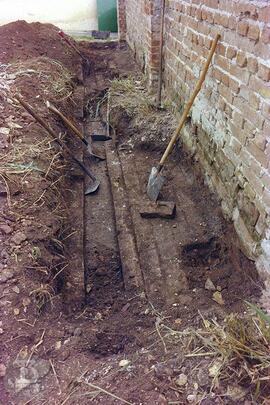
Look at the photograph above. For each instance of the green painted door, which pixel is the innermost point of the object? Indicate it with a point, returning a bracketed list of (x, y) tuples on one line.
[(107, 15)]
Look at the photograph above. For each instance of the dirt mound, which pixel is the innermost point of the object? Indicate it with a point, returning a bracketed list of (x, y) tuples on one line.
[(20, 40)]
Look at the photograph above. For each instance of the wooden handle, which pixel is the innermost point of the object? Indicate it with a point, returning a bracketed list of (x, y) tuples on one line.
[(189, 104), (62, 35), (66, 121), (40, 120)]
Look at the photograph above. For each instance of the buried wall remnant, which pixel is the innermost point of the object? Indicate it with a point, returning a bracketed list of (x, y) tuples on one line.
[(229, 131)]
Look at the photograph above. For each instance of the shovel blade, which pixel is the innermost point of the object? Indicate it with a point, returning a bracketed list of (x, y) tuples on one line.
[(100, 137), (155, 184), (93, 187)]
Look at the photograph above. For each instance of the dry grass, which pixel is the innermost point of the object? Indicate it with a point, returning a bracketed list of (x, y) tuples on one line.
[(129, 97), (42, 295), (55, 81), (238, 350)]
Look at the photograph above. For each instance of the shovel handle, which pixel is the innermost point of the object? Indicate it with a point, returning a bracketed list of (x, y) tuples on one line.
[(30, 110), (189, 105), (67, 122), (63, 36)]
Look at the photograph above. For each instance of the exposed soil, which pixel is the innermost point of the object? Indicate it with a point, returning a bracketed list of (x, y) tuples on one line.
[(120, 345)]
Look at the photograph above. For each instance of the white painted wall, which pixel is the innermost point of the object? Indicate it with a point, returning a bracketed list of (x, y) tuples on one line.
[(70, 15)]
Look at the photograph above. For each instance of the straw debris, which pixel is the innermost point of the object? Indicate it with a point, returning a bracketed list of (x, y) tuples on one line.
[(132, 105)]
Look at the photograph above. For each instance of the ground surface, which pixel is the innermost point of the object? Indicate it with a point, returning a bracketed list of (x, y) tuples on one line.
[(129, 343)]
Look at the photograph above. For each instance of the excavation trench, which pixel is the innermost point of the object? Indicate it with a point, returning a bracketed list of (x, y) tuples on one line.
[(118, 323), (168, 260)]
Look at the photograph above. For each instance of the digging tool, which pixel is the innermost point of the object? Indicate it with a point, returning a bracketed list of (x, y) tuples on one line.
[(69, 43), (96, 183), (100, 137), (156, 180), (74, 129)]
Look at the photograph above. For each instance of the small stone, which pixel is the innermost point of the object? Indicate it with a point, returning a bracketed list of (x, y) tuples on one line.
[(42, 367), (178, 321), (19, 238), (5, 229), (2, 370), (64, 354), (77, 332), (124, 363), (16, 289), (58, 345), (202, 378), (98, 316), (235, 392), (217, 297), (5, 275), (26, 302), (4, 131), (89, 287), (16, 311), (191, 398), (209, 285), (181, 380), (215, 368)]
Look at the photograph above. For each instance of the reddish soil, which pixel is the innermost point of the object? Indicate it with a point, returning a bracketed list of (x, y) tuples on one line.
[(20, 41), (70, 355)]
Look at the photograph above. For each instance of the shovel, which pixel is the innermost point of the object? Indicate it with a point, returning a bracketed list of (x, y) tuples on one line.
[(69, 43), (156, 180), (74, 129), (96, 183)]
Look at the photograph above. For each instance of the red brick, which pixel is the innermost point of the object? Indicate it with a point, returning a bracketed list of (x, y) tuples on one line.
[(242, 28), (258, 154), (241, 59), (211, 3), (266, 35), (231, 52), (234, 85), (221, 49), (264, 72), (266, 110), (226, 93), (259, 86), (224, 78), (199, 14), (221, 19), (260, 141), (249, 113), (264, 14), (232, 23), (222, 62), (239, 73), (252, 64), (238, 133), (238, 119), (253, 32), (254, 100)]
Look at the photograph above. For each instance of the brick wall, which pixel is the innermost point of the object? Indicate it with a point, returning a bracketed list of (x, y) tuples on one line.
[(229, 130), (143, 34), (121, 19)]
